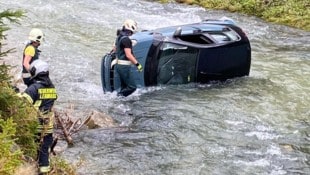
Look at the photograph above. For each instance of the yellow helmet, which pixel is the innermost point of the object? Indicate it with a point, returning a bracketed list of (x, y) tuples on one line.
[(36, 35), (131, 25)]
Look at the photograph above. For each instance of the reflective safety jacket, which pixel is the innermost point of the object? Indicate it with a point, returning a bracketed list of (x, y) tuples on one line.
[(35, 57), (42, 97)]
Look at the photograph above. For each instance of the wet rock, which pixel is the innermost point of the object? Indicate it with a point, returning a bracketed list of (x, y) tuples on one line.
[(100, 120)]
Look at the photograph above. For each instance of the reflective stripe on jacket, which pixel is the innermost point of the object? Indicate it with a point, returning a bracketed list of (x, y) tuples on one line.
[(44, 100)]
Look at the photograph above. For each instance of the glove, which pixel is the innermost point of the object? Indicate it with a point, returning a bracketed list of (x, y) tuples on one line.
[(139, 67)]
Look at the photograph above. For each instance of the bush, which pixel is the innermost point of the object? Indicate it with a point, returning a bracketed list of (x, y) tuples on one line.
[(17, 119), (9, 158), (24, 117)]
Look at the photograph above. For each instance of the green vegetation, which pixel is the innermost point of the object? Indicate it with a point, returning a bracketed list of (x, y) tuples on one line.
[(294, 13), (9, 158), (18, 119), (62, 167)]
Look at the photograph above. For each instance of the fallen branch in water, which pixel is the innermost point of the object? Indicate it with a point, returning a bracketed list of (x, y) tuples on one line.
[(63, 126), (67, 125)]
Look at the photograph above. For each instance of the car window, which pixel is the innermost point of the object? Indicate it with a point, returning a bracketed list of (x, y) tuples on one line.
[(225, 36), (176, 64), (196, 38), (232, 35)]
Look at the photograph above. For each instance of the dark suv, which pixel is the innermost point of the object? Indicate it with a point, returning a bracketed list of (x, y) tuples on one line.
[(199, 52)]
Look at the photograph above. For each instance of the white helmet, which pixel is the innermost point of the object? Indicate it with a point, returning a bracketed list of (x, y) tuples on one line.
[(38, 66), (131, 25), (36, 35)]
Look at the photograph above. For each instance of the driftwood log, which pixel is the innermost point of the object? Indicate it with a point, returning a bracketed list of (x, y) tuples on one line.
[(70, 125), (64, 129)]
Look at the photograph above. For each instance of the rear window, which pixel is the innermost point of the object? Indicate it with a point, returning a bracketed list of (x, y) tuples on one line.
[(225, 36), (196, 38)]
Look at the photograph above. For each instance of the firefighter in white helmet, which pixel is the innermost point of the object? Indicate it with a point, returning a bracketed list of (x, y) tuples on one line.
[(126, 59), (31, 53), (41, 93)]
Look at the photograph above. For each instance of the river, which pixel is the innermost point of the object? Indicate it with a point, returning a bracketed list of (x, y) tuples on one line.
[(258, 124)]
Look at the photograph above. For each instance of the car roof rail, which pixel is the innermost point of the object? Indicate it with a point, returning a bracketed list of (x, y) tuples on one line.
[(224, 19)]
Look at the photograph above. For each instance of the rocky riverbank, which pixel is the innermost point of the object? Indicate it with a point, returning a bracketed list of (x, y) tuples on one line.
[(293, 13)]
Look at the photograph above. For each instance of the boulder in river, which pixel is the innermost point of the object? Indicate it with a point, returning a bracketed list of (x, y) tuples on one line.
[(100, 120)]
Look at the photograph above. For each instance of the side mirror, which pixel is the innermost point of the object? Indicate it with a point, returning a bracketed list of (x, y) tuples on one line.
[(177, 32)]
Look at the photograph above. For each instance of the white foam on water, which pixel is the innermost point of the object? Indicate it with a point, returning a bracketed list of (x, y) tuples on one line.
[(262, 135), (259, 162), (235, 123), (274, 150)]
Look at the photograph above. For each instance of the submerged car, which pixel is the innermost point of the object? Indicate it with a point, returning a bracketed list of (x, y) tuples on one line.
[(193, 53)]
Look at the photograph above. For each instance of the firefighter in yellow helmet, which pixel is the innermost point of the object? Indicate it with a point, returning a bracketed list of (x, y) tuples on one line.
[(42, 95), (31, 53)]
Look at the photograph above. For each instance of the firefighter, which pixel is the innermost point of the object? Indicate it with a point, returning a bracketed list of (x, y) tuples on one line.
[(126, 58), (42, 94), (31, 53)]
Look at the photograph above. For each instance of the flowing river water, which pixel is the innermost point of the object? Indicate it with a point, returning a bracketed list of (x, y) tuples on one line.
[(258, 124)]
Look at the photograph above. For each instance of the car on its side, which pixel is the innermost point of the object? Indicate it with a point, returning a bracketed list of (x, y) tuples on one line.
[(192, 53)]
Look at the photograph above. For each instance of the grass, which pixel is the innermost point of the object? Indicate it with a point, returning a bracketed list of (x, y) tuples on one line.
[(293, 13)]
